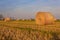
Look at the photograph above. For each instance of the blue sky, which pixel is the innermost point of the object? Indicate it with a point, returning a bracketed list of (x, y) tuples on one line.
[(28, 8)]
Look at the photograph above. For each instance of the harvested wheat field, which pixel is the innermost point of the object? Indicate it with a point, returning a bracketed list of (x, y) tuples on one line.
[(28, 30)]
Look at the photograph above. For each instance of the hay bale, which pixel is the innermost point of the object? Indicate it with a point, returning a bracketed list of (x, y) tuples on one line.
[(43, 18), (7, 19)]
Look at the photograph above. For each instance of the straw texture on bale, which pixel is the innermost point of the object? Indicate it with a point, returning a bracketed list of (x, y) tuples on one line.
[(7, 19), (43, 18)]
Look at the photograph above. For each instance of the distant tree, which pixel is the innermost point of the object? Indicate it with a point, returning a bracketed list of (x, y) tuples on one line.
[(12, 18), (32, 19), (58, 20), (1, 17)]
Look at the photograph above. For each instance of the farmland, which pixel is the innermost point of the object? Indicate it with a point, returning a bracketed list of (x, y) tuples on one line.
[(28, 30)]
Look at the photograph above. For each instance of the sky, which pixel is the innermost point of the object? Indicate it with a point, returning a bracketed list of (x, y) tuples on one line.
[(28, 8)]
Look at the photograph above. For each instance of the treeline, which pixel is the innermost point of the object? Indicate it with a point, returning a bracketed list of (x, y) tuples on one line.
[(14, 19), (1, 17), (58, 20)]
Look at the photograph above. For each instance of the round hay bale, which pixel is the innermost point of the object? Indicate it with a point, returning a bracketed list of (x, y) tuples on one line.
[(43, 18), (7, 19)]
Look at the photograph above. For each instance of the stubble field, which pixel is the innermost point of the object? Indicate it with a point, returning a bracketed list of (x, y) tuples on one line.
[(28, 30)]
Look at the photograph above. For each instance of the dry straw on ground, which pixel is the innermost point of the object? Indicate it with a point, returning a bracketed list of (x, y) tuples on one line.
[(43, 18)]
